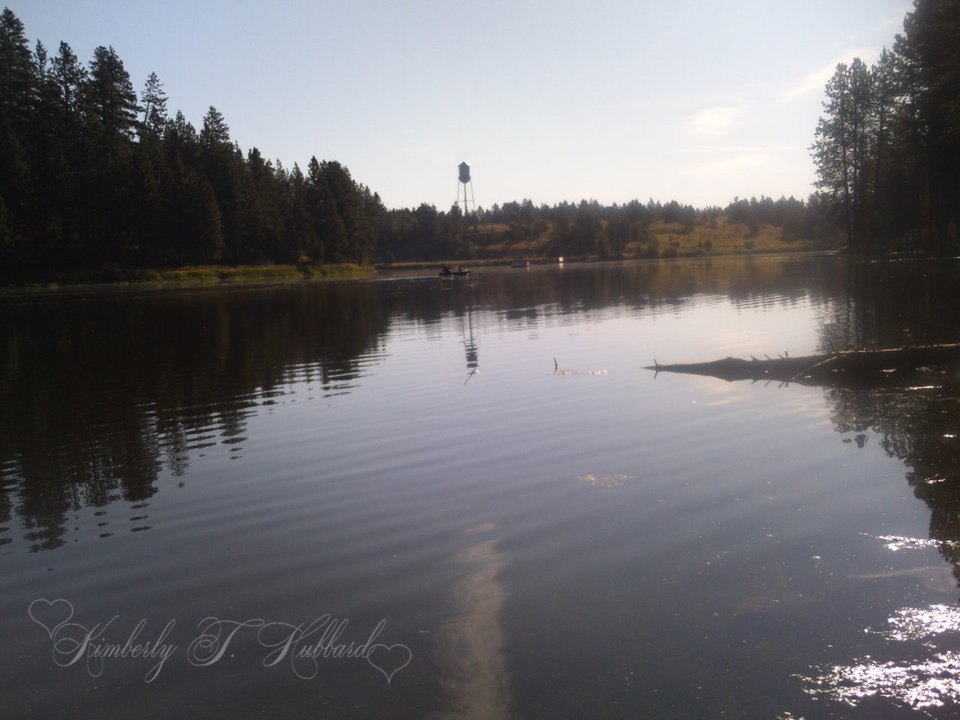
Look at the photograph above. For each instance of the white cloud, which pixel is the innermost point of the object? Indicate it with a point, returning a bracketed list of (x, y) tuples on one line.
[(736, 149), (732, 159), (734, 163), (815, 81), (714, 122)]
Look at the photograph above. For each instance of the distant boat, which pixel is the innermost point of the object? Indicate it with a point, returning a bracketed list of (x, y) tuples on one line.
[(449, 271), (523, 264)]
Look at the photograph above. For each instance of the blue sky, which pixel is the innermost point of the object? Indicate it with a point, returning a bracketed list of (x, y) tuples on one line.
[(608, 100)]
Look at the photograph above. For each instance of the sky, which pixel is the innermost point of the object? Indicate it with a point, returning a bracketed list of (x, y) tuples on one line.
[(552, 101)]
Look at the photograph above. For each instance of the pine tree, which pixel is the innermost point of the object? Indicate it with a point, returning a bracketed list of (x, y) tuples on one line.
[(16, 88), (841, 146), (930, 61), (70, 77), (110, 94), (222, 165), (153, 103), (16, 72), (215, 130)]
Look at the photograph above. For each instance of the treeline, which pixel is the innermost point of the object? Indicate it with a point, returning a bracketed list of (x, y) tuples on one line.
[(95, 175), (887, 148), (587, 227)]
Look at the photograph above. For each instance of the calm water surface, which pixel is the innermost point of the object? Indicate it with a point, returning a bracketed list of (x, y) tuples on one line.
[(385, 500)]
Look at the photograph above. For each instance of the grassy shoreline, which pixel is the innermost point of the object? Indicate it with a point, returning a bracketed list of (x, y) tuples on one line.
[(210, 276), (191, 276), (661, 241)]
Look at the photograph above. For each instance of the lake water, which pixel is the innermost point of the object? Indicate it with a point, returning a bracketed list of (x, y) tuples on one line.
[(415, 497)]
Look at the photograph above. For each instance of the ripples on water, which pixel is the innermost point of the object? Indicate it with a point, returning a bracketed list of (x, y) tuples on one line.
[(546, 528), (921, 677)]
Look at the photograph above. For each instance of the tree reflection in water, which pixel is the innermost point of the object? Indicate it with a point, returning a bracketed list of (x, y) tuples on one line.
[(102, 393), (919, 425)]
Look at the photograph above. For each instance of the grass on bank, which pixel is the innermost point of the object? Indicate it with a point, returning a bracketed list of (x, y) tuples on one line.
[(718, 238), (198, 276), (215, 274), (662, 240)]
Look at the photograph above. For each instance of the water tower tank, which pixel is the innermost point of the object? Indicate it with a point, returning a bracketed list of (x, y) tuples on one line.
[(466, 184)]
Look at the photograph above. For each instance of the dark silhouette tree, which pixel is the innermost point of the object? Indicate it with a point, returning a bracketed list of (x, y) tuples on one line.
[(70, 77), (16, 86), (153, 102), (110, 94), (931, 63), (887, 149), (842, 144)]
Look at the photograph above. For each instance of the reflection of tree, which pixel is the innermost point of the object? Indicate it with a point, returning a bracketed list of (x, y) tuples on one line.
[(99, 395), (928, 444), (471, 345), (542, 294), (895, 304), (921, 428), (5, 515)]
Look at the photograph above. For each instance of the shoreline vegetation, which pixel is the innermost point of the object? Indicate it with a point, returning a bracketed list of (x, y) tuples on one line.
[(101, 185), (189, 277), (718, 238), (251, 275), (635, 232)]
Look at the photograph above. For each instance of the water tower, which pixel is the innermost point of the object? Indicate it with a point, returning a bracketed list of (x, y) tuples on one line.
[(466, 184)]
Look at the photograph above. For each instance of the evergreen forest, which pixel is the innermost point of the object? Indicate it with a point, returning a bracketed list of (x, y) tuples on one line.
[(98, 176)]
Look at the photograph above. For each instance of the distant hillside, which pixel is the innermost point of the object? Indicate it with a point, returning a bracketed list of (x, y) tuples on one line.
[(719, 236), (589, 230)]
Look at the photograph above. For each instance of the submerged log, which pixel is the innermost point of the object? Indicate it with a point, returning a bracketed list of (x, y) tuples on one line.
[(847, 367)]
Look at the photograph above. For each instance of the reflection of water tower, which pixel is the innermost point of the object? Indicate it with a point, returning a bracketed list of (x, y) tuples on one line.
[(471, 346), (467, 184)]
